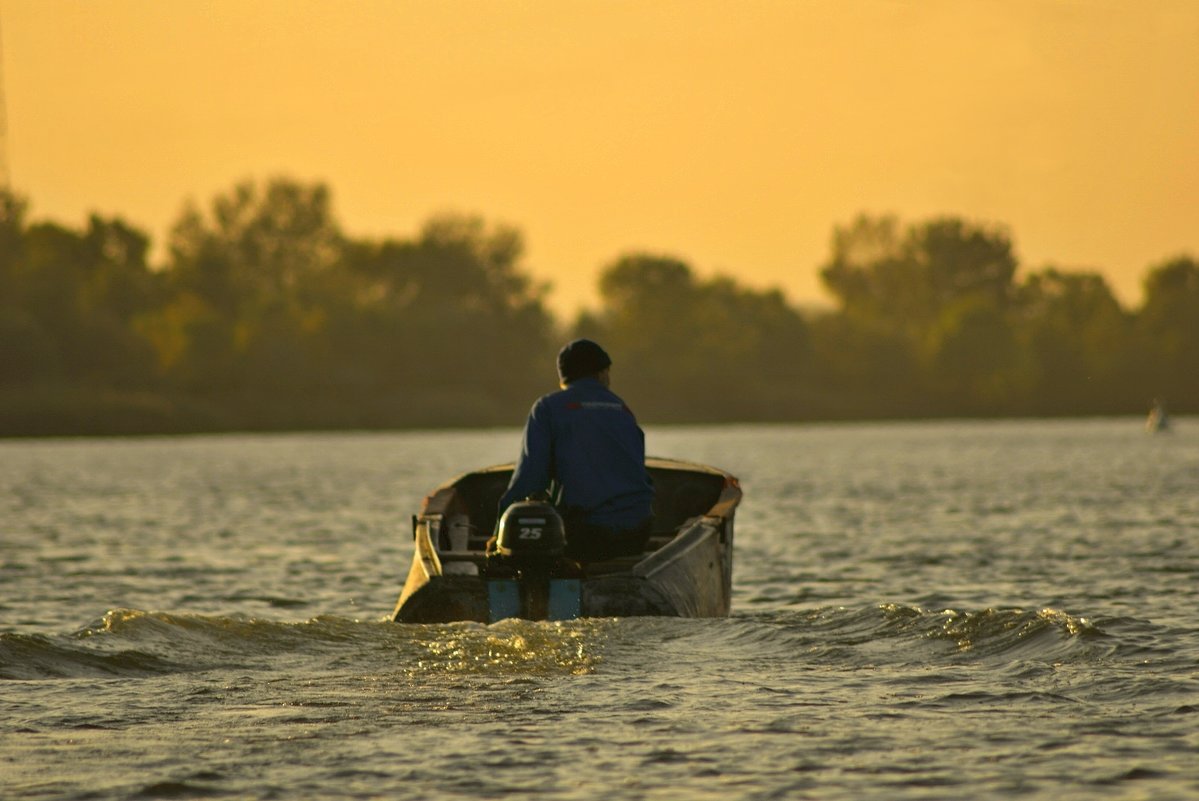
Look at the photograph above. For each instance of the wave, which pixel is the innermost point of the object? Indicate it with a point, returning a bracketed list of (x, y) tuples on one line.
[(896, 633), (27, 657), (133, 643)]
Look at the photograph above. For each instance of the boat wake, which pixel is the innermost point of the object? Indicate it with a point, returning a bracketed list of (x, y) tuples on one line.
[(898, 634), (127, 643)]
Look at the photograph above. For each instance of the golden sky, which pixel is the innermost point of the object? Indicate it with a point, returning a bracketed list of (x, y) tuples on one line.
[(732, 134)]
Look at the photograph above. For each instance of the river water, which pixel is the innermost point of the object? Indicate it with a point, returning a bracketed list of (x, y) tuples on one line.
[(922, 611)]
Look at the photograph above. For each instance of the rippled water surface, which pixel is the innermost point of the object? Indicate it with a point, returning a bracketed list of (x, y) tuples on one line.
[(934, 610)]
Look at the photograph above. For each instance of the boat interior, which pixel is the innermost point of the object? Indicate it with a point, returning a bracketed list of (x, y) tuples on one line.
[(469, 505)]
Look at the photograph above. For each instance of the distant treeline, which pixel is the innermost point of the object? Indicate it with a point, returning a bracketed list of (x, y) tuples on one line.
[(265, 315)]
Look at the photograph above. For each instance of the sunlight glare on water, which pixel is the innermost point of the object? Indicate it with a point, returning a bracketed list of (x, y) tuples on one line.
[(509, 648)]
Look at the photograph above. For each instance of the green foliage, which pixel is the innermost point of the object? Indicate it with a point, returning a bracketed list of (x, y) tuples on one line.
[(903, 282), (1076, 341), (719, 350), (71, 297), (972, 353), (266, 315), (449, 314), (926, 314), (1168, 328)]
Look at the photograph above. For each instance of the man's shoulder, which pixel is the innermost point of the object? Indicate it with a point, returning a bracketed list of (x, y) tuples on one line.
[(550, 402), (588, 397), (552, 398)]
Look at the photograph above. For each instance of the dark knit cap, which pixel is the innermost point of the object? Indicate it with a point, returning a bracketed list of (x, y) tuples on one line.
[(581, 358)]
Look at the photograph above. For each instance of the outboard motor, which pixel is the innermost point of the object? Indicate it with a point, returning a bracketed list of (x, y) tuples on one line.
[(531, 538), (528, 575)]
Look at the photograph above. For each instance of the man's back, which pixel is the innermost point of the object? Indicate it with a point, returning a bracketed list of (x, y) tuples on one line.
[(588, 442)]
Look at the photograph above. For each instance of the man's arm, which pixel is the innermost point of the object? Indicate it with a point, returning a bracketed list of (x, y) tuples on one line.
[(532, 472)]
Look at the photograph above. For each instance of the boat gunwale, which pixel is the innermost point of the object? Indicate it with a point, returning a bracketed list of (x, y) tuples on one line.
[(437, 500)]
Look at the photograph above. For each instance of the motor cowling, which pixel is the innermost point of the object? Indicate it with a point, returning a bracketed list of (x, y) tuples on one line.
[(531, 535)]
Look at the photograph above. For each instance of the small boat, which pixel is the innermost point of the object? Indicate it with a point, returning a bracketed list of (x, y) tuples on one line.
[(686, 570), (1159, 418)]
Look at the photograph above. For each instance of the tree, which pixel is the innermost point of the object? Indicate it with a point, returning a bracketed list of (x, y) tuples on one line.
[(903, 284), (26, 347), (940, 292), (972, 358), (248, 293), (12, 245), (700, 350), (1168, 326), (79, 292), (258, 244), (867, 271), (1074, 336), (455, 308)]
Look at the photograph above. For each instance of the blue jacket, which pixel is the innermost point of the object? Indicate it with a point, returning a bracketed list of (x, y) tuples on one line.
[(585, 440)]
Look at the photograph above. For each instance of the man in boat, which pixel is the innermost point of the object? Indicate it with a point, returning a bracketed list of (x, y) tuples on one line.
[(582, 444)]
